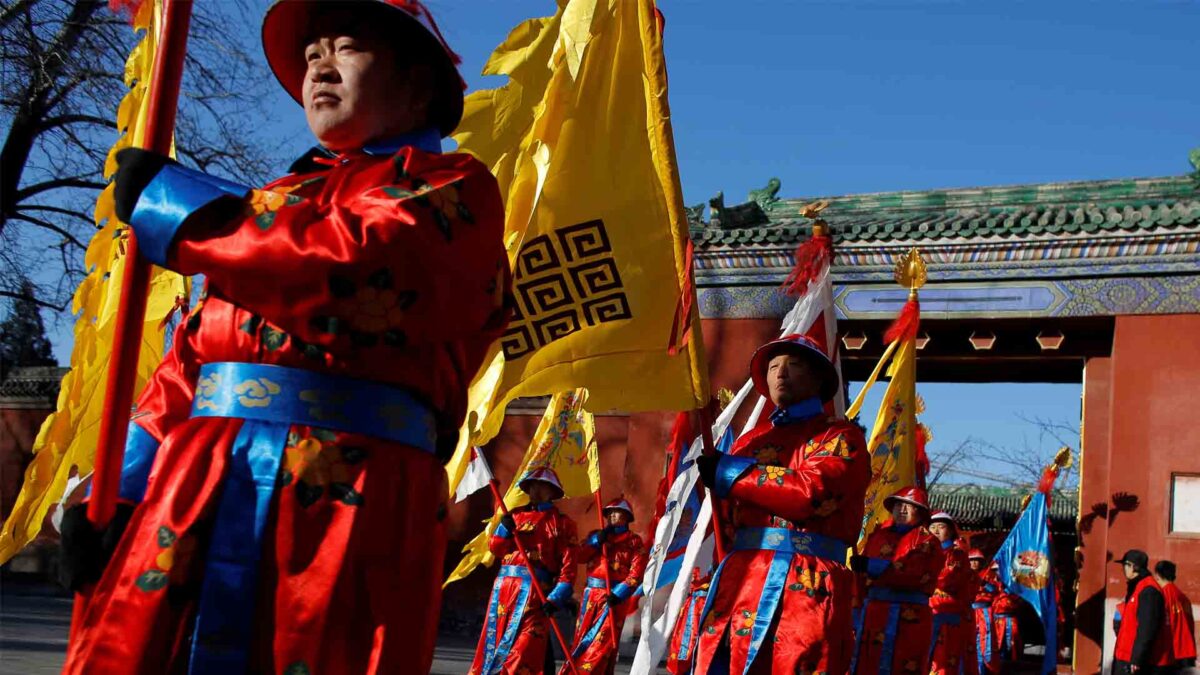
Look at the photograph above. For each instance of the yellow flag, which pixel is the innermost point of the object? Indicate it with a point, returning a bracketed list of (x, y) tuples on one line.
[(580, 142), (66, 444), (564, 441), (893, 443)]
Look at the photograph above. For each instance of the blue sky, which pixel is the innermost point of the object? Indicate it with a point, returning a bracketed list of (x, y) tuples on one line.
[(839, 97)]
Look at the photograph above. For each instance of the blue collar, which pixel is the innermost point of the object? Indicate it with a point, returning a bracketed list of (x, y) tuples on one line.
[(618, 529), (426, 140), (797, 412), (947, 544), (903, 529), (542, 506)]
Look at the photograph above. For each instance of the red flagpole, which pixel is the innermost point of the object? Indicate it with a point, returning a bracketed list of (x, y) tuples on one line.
[(135, 282), (537, 588)]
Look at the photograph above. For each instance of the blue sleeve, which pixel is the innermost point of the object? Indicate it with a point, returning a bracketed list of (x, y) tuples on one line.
[(140, 450), (623, 590), (729, 469), (502, 531), (175, 193), (560, 593), (877, 566), (593, 539)]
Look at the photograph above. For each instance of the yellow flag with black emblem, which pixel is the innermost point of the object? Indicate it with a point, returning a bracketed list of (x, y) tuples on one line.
[(580, 141), (565, 441)]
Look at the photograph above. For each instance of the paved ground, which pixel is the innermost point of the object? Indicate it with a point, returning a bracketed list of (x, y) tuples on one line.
[(35, 620)]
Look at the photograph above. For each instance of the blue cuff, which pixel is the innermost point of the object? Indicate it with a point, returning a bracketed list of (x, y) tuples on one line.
[(140, 450), (877, 566), (729, 469), (562, 591), (593, 539), (175, 193), (623, 590), (502, 531), (990, 588)]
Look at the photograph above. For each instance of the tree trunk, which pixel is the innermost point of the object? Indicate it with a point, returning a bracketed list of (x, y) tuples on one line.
[(26, 123)]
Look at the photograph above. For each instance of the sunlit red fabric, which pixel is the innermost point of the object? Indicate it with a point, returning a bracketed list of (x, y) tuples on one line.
[(626, 564), (309, 248), (953, 595), (813, 473)]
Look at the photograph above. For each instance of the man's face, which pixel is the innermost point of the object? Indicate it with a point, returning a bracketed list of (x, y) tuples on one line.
[(790, 379), (976, 564), (617, 517), (1131, 570), (355, 92), (942, 530), (904, 513), (539, 491)]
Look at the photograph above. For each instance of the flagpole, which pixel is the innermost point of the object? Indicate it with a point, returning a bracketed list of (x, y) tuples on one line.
[(710, 448), (612, 625), (495, 486), (135, 281)]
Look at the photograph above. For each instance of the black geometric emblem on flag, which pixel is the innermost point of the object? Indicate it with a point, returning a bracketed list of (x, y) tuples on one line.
[(564, 281)]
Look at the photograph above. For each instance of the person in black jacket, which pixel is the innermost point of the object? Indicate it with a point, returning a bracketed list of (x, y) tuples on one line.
[(1143, 641)]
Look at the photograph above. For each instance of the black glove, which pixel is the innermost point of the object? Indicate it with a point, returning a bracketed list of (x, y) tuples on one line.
[(135, 169), (707, 466), (858, 563), (85, 550), (509, 524), (613, 600), (549, 608)]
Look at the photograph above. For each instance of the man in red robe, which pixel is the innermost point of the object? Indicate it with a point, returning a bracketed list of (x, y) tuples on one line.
[(1006, 629), (283, 490), (687, 626), (516, 630), (1179, 616), (610, 589), (780, 600), (953, 618), (988, 584), (897, 574)]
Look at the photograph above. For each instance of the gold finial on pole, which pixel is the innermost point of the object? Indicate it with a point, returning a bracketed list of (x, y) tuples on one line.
[(910, 271)]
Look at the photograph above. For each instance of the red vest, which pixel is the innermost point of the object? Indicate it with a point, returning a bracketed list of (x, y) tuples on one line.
[(1183, 625), (1160, 650)]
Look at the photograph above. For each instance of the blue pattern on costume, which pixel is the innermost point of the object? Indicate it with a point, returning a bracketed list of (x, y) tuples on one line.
[(797, 412), (495, 652)]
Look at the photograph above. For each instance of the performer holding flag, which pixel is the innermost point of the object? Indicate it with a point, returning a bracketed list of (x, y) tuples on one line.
[(615, 559), (308, 402), (988, 584), (953, 618), (780, 600)]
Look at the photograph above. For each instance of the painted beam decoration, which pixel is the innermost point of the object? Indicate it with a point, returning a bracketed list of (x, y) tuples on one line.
[(1076, 249)]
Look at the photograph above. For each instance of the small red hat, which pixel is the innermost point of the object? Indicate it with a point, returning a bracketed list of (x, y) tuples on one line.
[(288, 23), (620, 504), (543, 474), (801, 345), (942, 517), (912, 495), (976, 554)]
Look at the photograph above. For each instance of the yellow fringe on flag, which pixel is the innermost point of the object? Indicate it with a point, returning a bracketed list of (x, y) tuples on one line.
[(565, 441), (66, 444)]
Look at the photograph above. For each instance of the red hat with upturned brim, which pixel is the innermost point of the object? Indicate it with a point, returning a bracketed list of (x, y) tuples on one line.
[(288, 27), (620, 504), (976, 554), (542, 474), (800, 345), (912, 495)]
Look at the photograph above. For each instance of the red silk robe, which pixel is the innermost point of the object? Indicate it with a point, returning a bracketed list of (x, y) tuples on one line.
[(1006, 630), (516, 631), (1180, 621), (388, 268), (687, 627), (595, 649), (987, 656), (809, 476), (953, 618), (895, 617)]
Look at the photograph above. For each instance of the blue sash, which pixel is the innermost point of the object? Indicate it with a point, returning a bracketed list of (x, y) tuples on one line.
[(495, 652), (271, 399), (596, 582), (983, 645), (895, 599), (685, 642), (785, 543)]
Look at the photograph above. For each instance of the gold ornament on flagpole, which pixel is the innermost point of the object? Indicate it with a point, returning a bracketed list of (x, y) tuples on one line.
[(910, 271)]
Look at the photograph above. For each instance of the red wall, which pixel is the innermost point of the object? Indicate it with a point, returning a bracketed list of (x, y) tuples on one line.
[(18, 429), (1135, 436)]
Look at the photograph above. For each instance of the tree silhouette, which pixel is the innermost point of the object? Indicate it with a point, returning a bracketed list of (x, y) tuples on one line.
[(23, 340)]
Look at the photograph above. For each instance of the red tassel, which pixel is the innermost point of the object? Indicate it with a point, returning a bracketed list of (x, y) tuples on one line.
[(921, 438), (1046, 484), (131, 6), (906, 323), (812, 258)]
